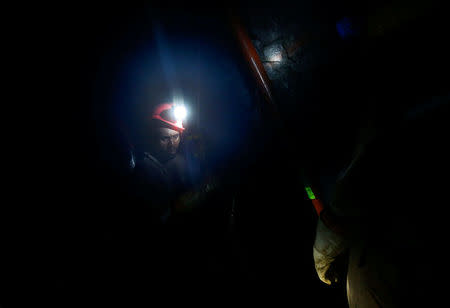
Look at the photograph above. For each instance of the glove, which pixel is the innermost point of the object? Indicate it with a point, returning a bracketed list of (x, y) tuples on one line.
[(328, 246), (186, 202)]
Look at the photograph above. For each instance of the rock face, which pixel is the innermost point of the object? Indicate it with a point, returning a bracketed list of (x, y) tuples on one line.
[(331, 62), (309, 64), (290, 43)]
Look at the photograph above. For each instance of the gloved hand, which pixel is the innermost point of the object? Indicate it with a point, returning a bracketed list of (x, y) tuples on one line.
[(186, 202), (328, 246), (191, 199)]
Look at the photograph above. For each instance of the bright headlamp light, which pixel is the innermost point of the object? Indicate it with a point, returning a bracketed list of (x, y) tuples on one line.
[(180, 112)]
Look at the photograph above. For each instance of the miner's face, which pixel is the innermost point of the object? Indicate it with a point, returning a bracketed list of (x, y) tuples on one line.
[(168, 141)]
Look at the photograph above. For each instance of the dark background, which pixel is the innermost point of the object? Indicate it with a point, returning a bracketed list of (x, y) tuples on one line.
[(68, 235)]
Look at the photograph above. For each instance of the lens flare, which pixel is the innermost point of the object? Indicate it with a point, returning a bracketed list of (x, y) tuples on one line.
[(180, 112)]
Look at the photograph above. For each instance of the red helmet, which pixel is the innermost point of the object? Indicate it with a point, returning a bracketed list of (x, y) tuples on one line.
[(165, 113)]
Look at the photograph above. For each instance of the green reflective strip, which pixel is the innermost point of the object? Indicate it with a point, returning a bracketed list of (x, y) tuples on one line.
[(310, 193)]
